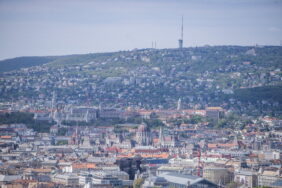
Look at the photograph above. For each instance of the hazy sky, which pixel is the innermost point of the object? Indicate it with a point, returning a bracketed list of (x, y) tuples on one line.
[(57, 27)]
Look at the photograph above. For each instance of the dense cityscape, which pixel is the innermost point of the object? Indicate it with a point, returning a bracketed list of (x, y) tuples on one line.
[(204, 112), (144, 118)]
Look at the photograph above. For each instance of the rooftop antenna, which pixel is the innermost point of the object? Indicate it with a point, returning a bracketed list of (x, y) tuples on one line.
[(182, 28), (180, 41)]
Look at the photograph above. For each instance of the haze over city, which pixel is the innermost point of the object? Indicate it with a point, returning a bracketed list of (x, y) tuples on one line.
[(140, 93), (36, 28)]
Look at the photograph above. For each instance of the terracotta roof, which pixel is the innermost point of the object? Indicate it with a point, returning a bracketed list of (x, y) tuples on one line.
[(113, 149), (6, 137), (155, 140), (269, 118), (39, 170), (83, 165), (125, 155), (222, 145), (161, 155), (253, 155), (214, 108), (38, 111), (212, 145)]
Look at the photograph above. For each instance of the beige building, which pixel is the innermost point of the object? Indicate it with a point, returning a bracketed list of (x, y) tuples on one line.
[(267, 178), (217, 175), (214, 113), (143, 135), (246, 178), (66, 179)]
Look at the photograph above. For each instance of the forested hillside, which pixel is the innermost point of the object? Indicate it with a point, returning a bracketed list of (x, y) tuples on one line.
[(246, 79)]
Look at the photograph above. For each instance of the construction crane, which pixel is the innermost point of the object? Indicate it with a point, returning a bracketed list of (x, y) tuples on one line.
[(199, 163)]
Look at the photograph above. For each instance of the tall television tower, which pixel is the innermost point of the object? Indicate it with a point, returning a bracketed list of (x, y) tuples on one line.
[(180, 41)]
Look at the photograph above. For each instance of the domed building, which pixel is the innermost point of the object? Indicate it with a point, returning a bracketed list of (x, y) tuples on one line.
[(143, 135)]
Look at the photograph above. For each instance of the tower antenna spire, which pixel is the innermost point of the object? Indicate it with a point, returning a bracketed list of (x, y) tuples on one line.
[(182, 29), (180, 41)]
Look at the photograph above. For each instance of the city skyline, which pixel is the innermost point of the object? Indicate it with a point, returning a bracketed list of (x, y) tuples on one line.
[(187, 95)]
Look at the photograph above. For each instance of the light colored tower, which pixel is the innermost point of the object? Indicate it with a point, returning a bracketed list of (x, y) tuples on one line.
[(179, 104), (180, 41), (53, 103), (161, 137), (86, 116), (76, 135)]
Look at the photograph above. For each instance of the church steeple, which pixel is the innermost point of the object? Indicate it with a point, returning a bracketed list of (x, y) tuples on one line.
[(179, 104), (143, 135), (161, 137)]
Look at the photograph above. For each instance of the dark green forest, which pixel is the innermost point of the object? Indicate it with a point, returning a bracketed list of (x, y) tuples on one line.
[(25, 118)]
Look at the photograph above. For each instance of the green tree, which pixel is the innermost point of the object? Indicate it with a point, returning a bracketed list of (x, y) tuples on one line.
[(232, 185), (153, 115), (195, 119), (138, 183)]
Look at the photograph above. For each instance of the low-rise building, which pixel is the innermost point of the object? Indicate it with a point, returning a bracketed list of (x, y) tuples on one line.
[(221, 176), (66, 179), (246, 178), (187, 181)]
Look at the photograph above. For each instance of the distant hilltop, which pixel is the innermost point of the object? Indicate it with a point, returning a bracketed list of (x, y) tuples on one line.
[(194, 53)]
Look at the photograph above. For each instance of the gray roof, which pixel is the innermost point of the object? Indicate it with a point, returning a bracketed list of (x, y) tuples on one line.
[(277, 183), (6, 178), (66, 176), (181, 178), (245, 172), (159, 179)]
